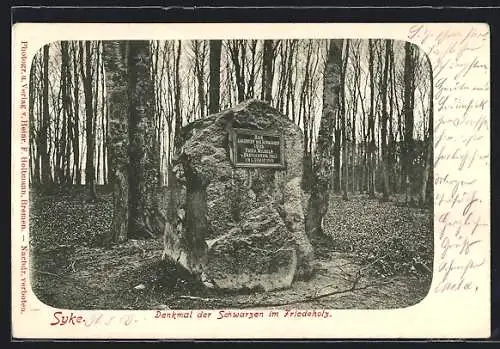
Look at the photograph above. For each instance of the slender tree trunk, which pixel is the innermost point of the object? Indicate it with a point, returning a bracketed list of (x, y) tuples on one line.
[(356, 74), (371, 124), (55, 137), (408, 104), (177, 97), (251, 80), (390, 150), (234, 52), (214, 87), (45, 156), (39, 132), (66, 109), (267, 70), (383, 126), (200, 76), (345, 164), (306, 125), (86, 74), (104, 123), (33, 84), (76, 132), (429, 143), (97, 145), (322, 171)]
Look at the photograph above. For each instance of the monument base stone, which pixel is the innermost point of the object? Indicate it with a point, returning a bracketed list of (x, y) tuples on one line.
[(240, 228)]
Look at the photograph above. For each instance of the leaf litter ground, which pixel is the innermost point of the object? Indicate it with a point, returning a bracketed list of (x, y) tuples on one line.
[(378, 255)]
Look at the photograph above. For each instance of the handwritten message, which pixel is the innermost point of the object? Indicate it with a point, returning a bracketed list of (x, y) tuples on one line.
[(461, 150)]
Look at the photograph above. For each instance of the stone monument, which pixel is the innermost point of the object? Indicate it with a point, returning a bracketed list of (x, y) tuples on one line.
[(235, 212)]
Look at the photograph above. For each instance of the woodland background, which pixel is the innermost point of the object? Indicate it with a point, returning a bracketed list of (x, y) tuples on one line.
[(383, 129), (106, 117)]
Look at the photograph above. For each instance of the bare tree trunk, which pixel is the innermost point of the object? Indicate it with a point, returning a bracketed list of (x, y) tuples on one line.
[(306, 124), (86, 74), (76, 132), (253, 59), (429, 143), (55, 135), (38, 132), (371, 124), (116, 88), (67, 113), (104, 124), (144, 219), (34, 173), (199, 64), (322, 169), (337, 149), (234, 47), (97, 148), (345, 165), (214, 87), (177, 86), (408, 103), (356, 73), (383, 126), (45, 159), (390, 150), (267, 70)]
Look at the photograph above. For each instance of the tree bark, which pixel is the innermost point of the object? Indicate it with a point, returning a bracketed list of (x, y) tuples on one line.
[(390, 155), (214, 87), (239, 72), (143, 170), (34, 174), (65, 122), (114, 56), (86, 74), (306, 123), (345, 163), (424, 199), (371, 124), (251, 78), (67, 107), (177, 97), (199, 64), (383, 126), (267, 70), (104, 123), (76, 124), (408, 104), (45, 159), (322, 169)]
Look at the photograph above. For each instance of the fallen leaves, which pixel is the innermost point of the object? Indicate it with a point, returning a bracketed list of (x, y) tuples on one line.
[(390, 239), (390, 245)]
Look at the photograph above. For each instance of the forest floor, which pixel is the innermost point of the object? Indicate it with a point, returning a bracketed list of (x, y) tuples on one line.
[(378, 255)]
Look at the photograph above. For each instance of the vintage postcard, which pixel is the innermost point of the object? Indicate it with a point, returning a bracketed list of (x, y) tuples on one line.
[(178, 181)]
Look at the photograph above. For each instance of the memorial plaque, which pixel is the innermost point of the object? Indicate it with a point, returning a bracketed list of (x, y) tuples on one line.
[(256, 148)]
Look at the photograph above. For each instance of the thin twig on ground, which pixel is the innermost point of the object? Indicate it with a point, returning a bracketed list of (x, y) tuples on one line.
[(310, 298), (200, 299)]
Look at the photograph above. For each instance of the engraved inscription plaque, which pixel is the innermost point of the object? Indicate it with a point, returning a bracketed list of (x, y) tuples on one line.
[(257, 148)]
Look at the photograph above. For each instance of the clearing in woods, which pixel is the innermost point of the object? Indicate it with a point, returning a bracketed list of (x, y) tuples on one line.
[(379, 256)]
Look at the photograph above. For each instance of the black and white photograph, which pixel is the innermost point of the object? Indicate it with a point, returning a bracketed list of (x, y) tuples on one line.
[(231, 174)]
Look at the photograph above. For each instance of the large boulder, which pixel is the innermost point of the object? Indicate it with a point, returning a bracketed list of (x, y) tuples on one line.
[(238, 228)]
